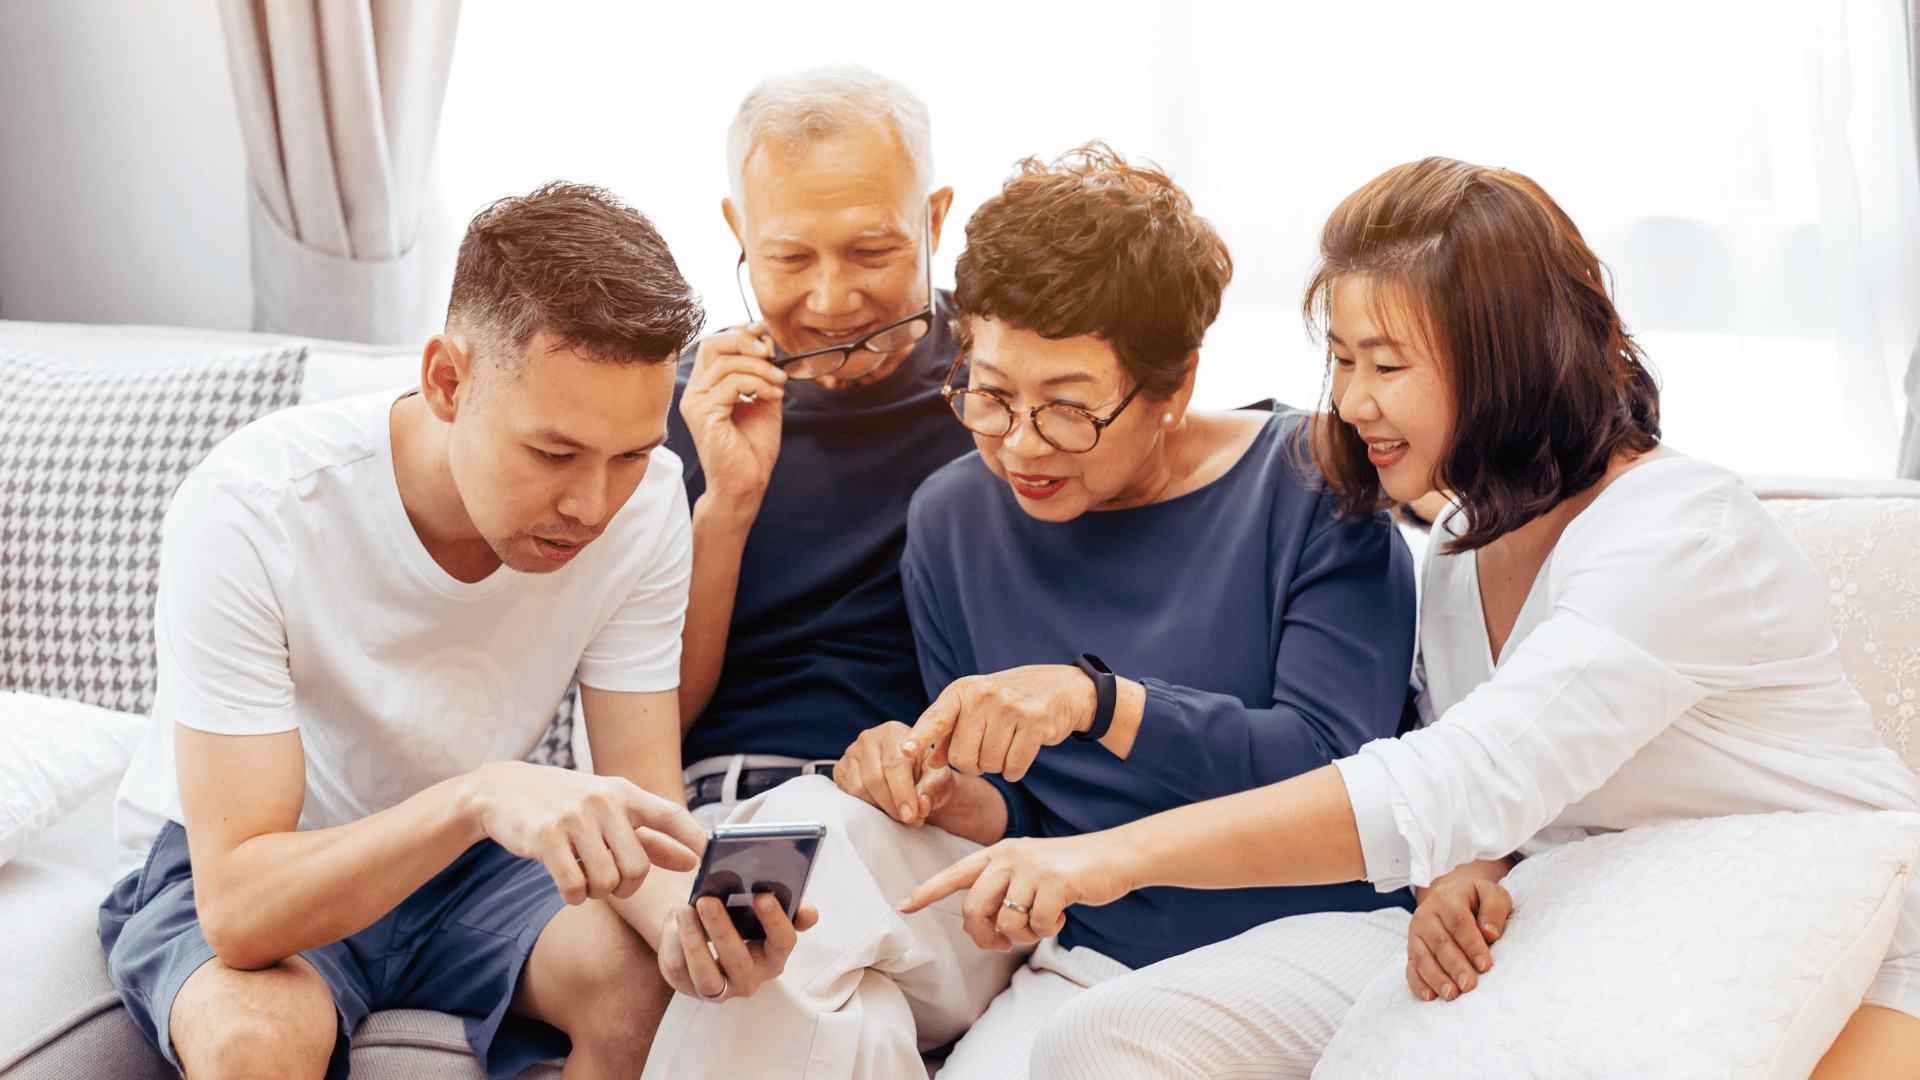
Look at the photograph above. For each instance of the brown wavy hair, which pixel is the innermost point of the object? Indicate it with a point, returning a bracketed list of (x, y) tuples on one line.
[(1547, 384), (1091, 244)]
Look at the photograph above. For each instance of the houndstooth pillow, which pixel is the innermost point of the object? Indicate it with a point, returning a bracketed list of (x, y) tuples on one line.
[(90, 454)]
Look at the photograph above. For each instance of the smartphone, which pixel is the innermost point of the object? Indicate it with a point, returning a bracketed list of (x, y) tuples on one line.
[(743, 860)]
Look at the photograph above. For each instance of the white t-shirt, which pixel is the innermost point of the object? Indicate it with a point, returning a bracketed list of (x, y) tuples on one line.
[(294, 594), (1672, 660)]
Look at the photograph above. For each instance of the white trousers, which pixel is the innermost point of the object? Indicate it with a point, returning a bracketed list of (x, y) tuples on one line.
[(1260, 1005), (1001, 1041), (865, 990)]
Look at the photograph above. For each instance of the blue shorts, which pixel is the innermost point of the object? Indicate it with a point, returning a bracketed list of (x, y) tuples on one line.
[(457, 945)]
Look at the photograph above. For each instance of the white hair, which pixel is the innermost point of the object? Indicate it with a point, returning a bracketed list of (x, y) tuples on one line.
[(800, 109)]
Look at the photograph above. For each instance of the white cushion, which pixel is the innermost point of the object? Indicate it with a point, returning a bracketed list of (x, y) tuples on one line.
[(1731, 947), (54, 755)]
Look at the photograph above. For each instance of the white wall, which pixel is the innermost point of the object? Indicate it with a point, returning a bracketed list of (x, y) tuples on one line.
[(122, 176)]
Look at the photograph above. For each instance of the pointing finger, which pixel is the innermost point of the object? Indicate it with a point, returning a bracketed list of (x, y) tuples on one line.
[(935, 724), (960, 875), (671, 823)]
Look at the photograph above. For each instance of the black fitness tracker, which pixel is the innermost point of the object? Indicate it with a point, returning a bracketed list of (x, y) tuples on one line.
[(1105, 693)]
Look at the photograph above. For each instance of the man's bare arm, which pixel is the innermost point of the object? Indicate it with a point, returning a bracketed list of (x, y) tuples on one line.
[(266, 892), (720, 529), (637, 736)]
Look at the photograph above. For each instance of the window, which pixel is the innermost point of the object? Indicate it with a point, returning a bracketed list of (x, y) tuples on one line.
[(1746, 167)]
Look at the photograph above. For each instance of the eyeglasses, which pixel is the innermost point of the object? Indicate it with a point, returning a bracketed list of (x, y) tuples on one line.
[(1067, 428), (862, 356)]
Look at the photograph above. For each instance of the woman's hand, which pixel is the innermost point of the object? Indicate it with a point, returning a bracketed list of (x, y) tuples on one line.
[(997, 723), (1041, 878), (1459, 915), (740, 967), (877, 771)]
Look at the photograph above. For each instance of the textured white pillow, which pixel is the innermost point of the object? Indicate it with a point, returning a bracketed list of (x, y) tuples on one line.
[(1725, 947), (54, 755)]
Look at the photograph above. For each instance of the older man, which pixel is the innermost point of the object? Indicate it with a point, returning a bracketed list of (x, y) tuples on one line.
[(813, 423)]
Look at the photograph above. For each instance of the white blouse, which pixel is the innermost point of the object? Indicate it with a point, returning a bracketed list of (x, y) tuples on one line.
[(1672, 660)]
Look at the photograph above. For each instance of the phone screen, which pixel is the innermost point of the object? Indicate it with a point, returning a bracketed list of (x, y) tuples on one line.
[(743, 860)]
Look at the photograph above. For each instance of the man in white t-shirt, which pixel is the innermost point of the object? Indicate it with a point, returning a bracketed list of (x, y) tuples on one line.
[(368, 609)]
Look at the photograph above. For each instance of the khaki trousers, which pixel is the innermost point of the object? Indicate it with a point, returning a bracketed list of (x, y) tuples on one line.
[(867, 989)]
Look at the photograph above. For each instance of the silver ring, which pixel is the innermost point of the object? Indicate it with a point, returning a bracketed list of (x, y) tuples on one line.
[(724, 983), (1021, 908)]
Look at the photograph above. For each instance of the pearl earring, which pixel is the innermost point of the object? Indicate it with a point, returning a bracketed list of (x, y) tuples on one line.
[(1166, 418)]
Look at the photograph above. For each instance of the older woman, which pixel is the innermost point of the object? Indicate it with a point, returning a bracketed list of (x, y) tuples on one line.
[(1124, 605), (1153, 580)]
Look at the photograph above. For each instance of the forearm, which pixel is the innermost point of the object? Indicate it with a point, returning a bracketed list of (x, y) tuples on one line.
[(1206, 745), (281, 893), (1297, 832), (720, 527), (636, 731), (975, 811)]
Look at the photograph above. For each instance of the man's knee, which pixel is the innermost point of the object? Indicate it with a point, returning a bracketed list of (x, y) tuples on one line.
[(276, 1022), (592, 976)]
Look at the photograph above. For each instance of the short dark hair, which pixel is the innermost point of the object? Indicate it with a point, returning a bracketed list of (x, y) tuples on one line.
[(577, 262), (1547, 384), (1089, 244)]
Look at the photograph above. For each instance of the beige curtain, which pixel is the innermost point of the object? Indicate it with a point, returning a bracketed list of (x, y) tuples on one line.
[(339, 105)]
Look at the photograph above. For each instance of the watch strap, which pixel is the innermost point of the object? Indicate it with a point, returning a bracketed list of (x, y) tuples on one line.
[(1105, 695)]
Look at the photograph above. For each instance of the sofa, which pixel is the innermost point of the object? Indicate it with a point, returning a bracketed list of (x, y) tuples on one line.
[(60, 1016)]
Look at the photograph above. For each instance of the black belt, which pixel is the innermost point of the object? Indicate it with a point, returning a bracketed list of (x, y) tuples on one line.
[(708, 789)]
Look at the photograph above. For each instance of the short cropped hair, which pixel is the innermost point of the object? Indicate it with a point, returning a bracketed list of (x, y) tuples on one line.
[(800, 109), (1090, 244), (1547, 384), (576, 262)]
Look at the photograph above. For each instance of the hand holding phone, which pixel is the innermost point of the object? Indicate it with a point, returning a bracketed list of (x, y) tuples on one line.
[(745, 910), (744, 860)]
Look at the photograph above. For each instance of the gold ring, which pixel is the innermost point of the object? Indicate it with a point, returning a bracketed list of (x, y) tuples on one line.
[(1021, 908)]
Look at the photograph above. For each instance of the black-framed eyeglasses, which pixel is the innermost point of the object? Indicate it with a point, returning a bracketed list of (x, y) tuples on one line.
[(1067, 428), (859, 358)]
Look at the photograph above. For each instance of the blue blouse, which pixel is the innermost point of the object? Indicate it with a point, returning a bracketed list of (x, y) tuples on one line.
[(1271, 636)]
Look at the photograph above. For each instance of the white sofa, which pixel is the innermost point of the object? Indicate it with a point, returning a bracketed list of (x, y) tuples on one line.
[(60, 1016)]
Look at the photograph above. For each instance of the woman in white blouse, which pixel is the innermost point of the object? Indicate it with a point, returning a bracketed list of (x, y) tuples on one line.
[(1613, 634)]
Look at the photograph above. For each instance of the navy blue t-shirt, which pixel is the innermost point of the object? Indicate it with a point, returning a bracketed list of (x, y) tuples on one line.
[(1272, 637), (820, 648)]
